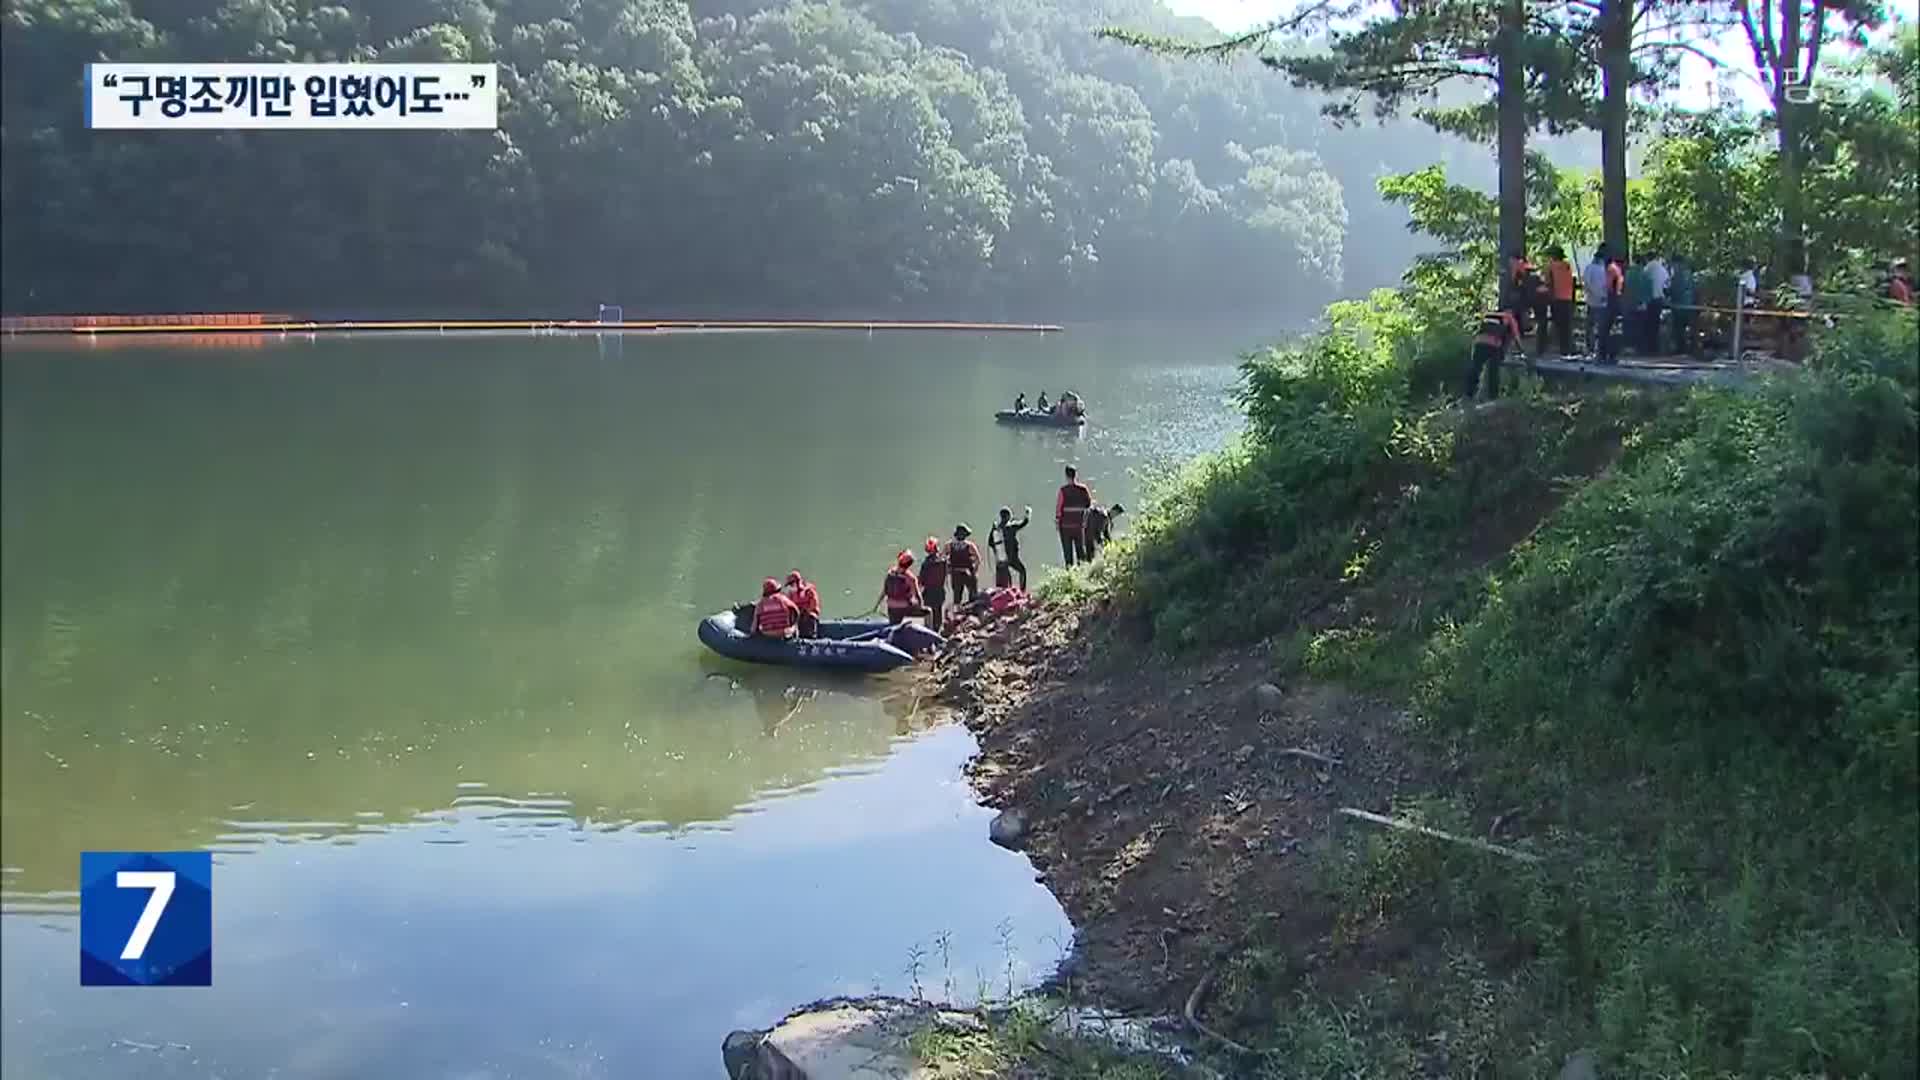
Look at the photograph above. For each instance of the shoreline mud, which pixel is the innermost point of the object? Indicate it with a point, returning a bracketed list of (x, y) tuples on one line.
[(1173, 807)]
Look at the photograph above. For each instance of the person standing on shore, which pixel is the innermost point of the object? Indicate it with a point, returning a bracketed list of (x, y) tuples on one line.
[(963, 565), (1099, 528), (901, 591), (1593, 282), (1682, 299), (1008, 544), (933, 583), (1658, 279), (1615, 310), (1560, 302), (1639, 292), (1070, 516)]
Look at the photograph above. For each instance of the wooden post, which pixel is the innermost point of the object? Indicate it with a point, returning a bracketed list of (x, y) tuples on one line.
[(1739, 313)]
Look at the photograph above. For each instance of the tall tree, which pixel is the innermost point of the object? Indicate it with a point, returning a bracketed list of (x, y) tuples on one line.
[(790, 155), (1616, 75), (1630, 45), (1787, 38), (1409, 56)]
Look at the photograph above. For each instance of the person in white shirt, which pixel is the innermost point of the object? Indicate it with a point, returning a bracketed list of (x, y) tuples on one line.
[(1657, 279), (1594, 281)]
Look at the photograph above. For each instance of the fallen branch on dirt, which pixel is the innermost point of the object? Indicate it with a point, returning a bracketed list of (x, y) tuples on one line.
[(1410, 826), (1193, 1018), (1294, 751)]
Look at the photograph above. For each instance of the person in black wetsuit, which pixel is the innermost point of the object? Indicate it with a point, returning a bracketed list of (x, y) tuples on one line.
[(963, 566), (1098, 528), (1007, 545)]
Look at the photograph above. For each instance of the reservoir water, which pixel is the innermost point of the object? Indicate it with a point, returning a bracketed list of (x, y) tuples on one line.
[(402, 629)]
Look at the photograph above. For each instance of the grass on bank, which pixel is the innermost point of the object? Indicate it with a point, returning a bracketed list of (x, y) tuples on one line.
[(1674, 634), (1024, 1042)]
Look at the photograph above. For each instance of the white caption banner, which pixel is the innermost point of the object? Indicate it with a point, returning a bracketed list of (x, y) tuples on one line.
[(335, 97)]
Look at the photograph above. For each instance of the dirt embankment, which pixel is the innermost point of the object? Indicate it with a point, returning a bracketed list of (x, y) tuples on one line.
[(1168, 808)]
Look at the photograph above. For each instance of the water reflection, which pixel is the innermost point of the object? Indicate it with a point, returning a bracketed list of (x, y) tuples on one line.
[(481, 939), (403, 627), (756, 732)]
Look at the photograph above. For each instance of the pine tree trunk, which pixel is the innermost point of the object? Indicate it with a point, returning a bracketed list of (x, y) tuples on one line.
[(1790, 254), (1512, 132), (1616, 65)]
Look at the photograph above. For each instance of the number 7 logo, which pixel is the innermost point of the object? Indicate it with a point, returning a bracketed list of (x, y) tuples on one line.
[(161, 882), (146, 918)]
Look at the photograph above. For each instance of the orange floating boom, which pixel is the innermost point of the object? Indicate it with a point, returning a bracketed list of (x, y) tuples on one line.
[(96, 325)]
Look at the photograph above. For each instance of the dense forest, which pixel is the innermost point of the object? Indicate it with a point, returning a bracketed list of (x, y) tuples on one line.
[(959, 157)]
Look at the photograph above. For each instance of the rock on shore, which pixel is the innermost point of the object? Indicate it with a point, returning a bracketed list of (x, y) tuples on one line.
[(841, 1039)]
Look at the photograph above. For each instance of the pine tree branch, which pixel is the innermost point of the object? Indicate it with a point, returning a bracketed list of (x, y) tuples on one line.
[(1312, 17), (1819, 35), (1766, 34), (1753, 39), (1681, 46)]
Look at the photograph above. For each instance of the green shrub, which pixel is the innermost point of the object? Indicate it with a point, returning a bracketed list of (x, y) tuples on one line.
[(1748, 572), (1701, 666)]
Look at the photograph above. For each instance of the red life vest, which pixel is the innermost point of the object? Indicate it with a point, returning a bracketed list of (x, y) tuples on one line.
[(1071, 508), (933, 572), (1560, 275), (807, 599), (1497, 329), (775, 617), (964, 555), (900, 588)]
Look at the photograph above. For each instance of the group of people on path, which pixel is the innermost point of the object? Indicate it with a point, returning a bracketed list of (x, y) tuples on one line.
[(1637, 298), (1625, 300), (949, 571)]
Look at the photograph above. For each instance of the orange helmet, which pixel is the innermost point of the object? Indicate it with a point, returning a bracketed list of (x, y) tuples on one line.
[(769, 587), (932, 544), (793, 578), (905, 560)]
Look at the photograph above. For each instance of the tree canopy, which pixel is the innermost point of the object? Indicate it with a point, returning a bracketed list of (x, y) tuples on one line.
[(988, 157)]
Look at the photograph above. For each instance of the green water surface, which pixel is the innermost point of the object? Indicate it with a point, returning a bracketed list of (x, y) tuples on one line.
[(402, 628)]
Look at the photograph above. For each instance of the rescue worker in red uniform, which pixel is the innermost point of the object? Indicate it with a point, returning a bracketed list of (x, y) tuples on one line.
[(1499, 330), (901, 591), (807, 599), (1560, 283), (1900, 283), (963, 562), (775, 616), (1070, 516), (933, 582), (1616, 306)]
